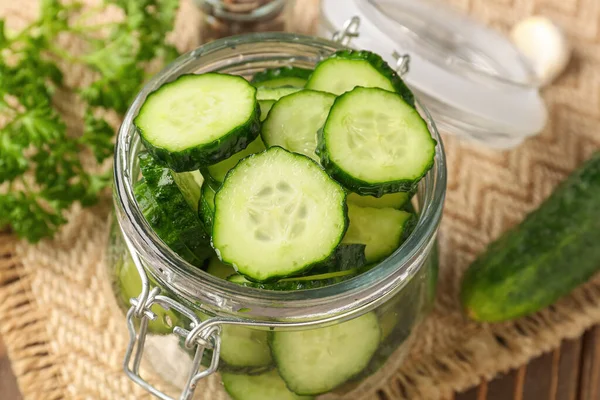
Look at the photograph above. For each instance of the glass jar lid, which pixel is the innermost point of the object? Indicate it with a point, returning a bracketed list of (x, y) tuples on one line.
[(473, 80)]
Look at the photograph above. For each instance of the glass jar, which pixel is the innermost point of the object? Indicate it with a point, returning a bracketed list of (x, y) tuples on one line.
[(208, 316), (221, 18)]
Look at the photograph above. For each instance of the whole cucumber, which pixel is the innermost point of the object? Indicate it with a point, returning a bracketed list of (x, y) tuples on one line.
[(555, 249)]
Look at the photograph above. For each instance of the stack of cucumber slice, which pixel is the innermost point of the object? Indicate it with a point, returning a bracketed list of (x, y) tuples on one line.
[(295, 180)]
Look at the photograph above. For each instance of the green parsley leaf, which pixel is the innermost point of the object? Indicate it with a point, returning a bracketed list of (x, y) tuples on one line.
[(41, 169)]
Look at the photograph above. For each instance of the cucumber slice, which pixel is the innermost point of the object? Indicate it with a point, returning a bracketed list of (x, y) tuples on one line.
[(199, 120), (161, 224), (347, 261), (294, 120), (391, 200), (266, 93), (283, 82), (383, 230), (388, 321), (206, 207), (318, 360), (298, 283), (218, 269), (245, 347), (374, 143), (239, 279), (266, 386), (346, 69), (218, 171), (189, 183), (175, 194), (265, 107), (284, 76), (279, 204), (346, 257)]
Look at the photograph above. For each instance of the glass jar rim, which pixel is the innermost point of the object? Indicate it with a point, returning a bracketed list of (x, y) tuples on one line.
[(363, 291)]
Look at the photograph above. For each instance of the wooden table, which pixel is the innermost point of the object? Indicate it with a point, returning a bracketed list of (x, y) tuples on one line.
[(8, 384), (569, 373)]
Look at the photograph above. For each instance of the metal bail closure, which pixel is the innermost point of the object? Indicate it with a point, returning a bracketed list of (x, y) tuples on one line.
[(202, 337), (348, 32), (402, 63)]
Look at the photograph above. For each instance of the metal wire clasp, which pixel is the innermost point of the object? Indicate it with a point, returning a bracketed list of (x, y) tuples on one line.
[(350, 30), (202, 337), (402, 63)]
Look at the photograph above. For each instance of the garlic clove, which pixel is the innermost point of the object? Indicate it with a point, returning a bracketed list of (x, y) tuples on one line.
[(544, 44)]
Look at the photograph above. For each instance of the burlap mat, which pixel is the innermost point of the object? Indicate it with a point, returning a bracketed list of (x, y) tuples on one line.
[(65, 340)]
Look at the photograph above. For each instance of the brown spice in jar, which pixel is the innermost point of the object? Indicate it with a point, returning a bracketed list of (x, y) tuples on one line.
[(234, 17)]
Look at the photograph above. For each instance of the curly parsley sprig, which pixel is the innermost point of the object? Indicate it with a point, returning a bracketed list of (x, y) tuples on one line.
[(41, 170)]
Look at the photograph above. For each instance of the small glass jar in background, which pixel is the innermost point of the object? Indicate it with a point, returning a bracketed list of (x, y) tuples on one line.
[(222, 18)]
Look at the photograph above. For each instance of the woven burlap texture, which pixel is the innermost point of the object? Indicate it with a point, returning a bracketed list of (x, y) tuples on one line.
[(65, 340)]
